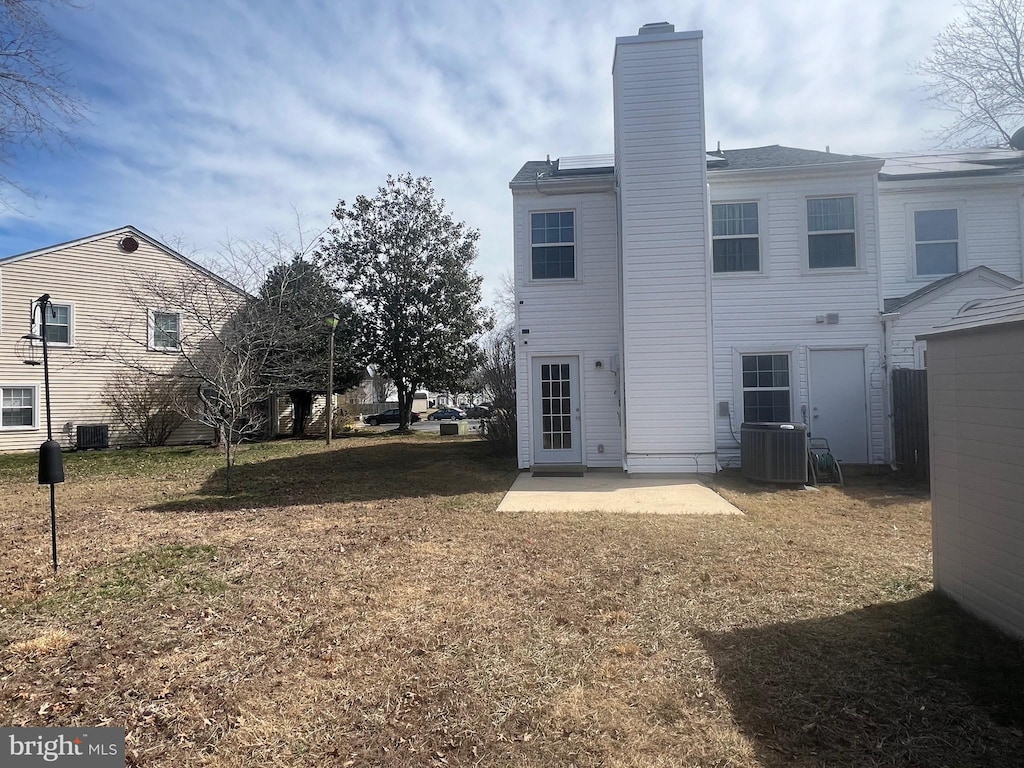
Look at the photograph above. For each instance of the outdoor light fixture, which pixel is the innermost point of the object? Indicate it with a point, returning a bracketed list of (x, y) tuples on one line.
[(331, 321), (51, 463)]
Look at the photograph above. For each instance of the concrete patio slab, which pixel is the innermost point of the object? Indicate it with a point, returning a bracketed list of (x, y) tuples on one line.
[(615, 492)]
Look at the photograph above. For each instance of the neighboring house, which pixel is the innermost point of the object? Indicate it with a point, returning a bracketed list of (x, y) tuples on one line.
[(666, 294), (942, 216), (976, 425), (103, 323)]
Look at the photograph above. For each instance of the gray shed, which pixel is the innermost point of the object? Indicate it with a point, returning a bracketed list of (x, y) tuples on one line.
[(976, 426)]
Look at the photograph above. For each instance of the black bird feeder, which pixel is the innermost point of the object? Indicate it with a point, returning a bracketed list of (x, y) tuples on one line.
[(51, 462)]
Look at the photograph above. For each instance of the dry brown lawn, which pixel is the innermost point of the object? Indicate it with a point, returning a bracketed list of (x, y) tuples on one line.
[(367, 606)]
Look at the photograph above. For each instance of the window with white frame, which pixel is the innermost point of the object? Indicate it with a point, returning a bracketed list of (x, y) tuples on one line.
[(553, 245), (936, 242), (18, 407), (165, 330), (735, 243), (831, 233), (766, 395), (59, 323)]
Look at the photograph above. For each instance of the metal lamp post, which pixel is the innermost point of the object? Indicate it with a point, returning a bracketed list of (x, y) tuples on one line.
[(331, 321), (51, 464)]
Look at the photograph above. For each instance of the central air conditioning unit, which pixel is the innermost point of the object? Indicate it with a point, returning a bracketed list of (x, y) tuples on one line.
[(92, 436), (774, 452)]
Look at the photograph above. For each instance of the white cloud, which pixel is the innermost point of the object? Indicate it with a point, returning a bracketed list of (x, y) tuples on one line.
[(216, 119)]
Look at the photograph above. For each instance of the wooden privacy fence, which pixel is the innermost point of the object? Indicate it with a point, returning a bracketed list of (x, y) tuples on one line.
[(910, 420)]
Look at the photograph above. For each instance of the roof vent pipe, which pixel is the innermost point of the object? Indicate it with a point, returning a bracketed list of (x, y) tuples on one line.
[(657, 28)]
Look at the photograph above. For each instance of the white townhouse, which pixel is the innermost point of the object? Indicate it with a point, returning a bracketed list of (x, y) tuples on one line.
[(98, 327), (950, 225), (666, 294)]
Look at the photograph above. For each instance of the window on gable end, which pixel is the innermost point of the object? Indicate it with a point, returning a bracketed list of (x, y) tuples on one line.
[(165, 331)]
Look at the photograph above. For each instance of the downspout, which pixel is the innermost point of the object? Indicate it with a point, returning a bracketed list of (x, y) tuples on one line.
[(890, 438), (622, 326), (883, 363)]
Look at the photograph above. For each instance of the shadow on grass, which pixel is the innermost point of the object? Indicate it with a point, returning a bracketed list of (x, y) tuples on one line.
[(913, 683), (875, 488), (384, 470)]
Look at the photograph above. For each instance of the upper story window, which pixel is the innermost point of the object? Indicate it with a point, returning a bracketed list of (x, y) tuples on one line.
[(735, 243), (766, 388), (59, 323), (831, 235), (936, 242), (165, 330), (553, 245)]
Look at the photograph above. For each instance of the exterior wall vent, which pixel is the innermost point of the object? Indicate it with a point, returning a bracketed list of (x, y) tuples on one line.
[(128, 244), (92, 436), (773, 452)]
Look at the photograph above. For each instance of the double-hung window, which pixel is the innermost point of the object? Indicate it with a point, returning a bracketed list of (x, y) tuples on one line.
[(936, 242), (766, 395), (59, 323), (831, 233), (735, 243), (165, 330), (553, 245), (18, 407)]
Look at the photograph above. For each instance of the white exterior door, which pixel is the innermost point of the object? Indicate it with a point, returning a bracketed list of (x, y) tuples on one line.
[(556, 410), (839, 407)]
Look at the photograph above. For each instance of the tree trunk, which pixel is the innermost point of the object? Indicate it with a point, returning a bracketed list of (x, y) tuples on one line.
[(228, 458), (403, 405)]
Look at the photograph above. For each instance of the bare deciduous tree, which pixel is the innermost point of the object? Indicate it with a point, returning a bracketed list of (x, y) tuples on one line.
[(37, 105), (976, 71), (225, 344)]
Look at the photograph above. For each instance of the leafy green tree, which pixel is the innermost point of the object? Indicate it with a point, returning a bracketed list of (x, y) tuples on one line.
[(976, 72), (297, 298), (407, 266)]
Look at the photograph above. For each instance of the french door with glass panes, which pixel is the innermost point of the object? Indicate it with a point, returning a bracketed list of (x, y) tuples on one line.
[(556, 408)]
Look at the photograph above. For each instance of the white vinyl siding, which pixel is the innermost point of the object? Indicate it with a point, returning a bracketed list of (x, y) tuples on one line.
[(937, 307), (777, 311), (572, 318), (735, 244), (989, 214), (831, 233), (666, 233), (19, 407)]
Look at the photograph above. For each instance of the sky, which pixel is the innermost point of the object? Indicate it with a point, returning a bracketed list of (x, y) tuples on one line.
[(232, 120)]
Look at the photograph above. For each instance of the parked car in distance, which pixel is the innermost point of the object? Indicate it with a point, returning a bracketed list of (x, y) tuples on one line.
[(478, 412), (390, 416), (447, 413)]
